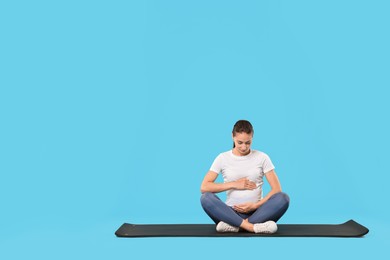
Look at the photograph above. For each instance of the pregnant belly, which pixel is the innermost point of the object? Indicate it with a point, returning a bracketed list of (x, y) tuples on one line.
[(235, 197)]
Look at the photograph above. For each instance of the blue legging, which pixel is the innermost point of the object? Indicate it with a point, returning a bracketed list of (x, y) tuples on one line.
[(272, 209)]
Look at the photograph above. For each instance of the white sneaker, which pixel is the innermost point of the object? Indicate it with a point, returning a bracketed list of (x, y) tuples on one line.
[(225, 227), (268, 227)]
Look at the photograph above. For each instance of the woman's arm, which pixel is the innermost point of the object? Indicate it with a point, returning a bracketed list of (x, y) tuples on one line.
[(273, 181), (209, 185)]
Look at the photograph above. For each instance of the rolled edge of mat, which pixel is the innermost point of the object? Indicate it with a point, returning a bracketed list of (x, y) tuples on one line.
[(120, 232), (360, 229)]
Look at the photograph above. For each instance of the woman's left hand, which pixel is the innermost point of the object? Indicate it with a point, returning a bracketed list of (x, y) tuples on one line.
[(245, 207)]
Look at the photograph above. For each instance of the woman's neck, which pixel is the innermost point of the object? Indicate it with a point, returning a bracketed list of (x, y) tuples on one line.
[(238, 153)]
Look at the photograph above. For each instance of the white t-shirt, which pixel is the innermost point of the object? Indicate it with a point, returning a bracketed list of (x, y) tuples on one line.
[(233, 167)]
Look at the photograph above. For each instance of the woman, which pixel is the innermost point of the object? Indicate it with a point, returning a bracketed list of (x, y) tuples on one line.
[(243, 170)]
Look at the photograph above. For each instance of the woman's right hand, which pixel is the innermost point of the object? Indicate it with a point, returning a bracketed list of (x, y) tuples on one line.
[(244, 184)]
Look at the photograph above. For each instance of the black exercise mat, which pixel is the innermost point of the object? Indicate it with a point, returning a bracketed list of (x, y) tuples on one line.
[(347, 229)]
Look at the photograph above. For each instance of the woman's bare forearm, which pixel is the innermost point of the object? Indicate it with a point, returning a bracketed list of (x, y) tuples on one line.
[(216, 187), (269, 195)]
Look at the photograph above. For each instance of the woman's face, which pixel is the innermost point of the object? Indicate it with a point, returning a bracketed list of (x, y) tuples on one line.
[(243, 142)]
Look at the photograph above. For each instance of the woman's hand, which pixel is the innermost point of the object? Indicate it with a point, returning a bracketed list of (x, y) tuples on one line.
[(245, 207), (244, 184)]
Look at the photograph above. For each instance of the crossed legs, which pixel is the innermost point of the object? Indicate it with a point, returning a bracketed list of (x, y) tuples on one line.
[(273, 209)]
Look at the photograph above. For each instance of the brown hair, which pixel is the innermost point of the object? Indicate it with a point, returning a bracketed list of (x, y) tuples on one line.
[(242, 126)]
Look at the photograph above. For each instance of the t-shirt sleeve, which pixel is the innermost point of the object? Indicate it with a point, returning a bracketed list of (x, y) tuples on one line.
[(267, 164), (217, 164)]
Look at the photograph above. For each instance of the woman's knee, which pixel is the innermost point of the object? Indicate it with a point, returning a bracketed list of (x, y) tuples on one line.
[(206, 198), (283, 198)]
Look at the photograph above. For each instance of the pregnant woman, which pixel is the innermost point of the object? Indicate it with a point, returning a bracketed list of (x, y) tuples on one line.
[(243, 171)]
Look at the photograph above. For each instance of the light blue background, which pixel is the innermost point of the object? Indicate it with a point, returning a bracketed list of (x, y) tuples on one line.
[(113, 111)]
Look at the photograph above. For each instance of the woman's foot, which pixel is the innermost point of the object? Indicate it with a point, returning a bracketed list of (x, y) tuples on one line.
[(225, 227), (268, 227)]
